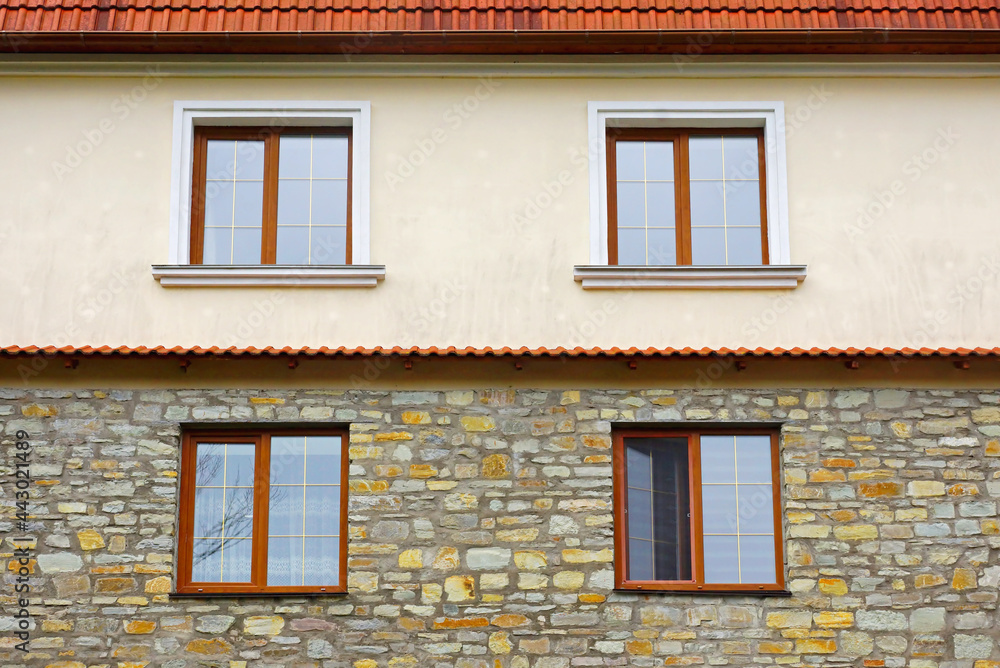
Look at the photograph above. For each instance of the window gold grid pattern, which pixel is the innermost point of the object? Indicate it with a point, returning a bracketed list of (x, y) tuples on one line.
[(312, 179), (225, 487), (645, 181), (232, 180)]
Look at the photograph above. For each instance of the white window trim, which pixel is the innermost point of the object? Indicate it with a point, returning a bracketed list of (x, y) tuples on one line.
[(767, 115), (189, 114)]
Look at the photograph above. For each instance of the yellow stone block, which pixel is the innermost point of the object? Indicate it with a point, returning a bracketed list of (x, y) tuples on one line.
[(965, 578), (833, 586), (815, 646), (460, 588), (530, 560), (90, 539), (574, 556), (496, 466), (767, 647), (859, 532), (416, 417), (928, 580), (56, 625), (39, 410), (394, 436), (267, 400), (478, 423), (639, 647), (366, 663), (446, 559), (517, 535), (441, 485), (568, 579), (834, 620), (422, 471), (160, 585), (431, 592), (139, 626), (411, 559), (500, 642), (923, 488)]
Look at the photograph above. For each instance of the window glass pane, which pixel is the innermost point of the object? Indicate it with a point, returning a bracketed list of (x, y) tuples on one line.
[(329, 157), (707, 203), (312, 191), (223, 512), (234, 201), (294, 157), (293, 202), (640, 560), (292, 245), (631, 246), (722, 560), (741, 157), (660, 209), (658, 507), (743, 244), (640, 514), (705, 157), (757, 559), (323, 556), (329, 203), (753, 458), (719, 508), (662, 246), (305, 515), (718, 459), (631, 205), (659, 161), (708, 245), (246, 246), (328, 245), (756, 509), (219, 201), (629, 161), (220, 159), (743, 203)]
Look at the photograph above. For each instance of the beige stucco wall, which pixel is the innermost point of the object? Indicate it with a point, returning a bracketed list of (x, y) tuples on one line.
[(77, 245)]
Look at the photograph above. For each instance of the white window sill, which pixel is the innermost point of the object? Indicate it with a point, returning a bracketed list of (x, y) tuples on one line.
[(254, 275), (607, 277)]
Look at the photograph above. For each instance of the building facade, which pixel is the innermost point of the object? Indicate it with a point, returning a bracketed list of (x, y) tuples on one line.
[(499, 337)]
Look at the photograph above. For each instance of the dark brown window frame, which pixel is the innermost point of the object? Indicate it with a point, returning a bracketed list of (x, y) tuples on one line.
[(269, 220), (262, 465), (697, 583), (682, 190)]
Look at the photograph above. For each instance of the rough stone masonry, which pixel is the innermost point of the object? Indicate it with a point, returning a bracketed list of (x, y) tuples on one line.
[(481, 533)]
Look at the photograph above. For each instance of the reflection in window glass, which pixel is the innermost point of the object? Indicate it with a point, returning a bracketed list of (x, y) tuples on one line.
[(645, 193), (304, 511), (725, 200), (737, 509), (223, 512), (312, 199), (657, 506)]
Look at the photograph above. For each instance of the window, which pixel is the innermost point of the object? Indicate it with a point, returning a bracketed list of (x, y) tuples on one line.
[(680, 197), (697, 511), (265, 196), (270, 194), (263, 511), (688, 195)]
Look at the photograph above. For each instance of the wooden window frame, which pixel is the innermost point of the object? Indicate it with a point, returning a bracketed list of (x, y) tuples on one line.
[(261, 438), (696, 542), (269, 219), (682, 189)]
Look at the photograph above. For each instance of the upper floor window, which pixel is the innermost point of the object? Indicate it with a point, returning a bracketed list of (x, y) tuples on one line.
[(686, 197), (266, 196), (263, 511), (270, 194), (697, 510)]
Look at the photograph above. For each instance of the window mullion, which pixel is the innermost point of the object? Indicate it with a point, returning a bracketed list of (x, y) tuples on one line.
[(261, 507), (269, 221), (697, 529), (682, 195)]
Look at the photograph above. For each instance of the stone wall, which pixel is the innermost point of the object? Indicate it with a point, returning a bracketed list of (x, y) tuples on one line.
[(481, 533)]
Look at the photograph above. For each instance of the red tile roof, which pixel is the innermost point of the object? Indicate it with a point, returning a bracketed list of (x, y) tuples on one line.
[(501, 26), (196, 351)]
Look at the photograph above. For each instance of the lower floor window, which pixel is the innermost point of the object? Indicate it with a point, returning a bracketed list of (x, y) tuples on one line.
[(263, 511), (697, 510)]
